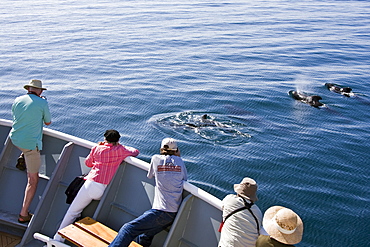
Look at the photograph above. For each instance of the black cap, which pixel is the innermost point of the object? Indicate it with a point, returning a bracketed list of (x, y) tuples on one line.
[(112, 135)]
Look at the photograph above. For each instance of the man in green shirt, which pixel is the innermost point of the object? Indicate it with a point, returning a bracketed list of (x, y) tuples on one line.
[(29, 113)]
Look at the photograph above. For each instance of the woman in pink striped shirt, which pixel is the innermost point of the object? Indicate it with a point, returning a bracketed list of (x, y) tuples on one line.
[(104, 160)]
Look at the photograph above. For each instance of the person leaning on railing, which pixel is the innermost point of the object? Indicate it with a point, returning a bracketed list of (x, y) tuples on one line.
[(29, 113), (104, 160), (242, 218), (170, 174)]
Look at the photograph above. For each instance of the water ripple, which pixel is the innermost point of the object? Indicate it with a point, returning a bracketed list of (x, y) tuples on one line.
[(214, 128)]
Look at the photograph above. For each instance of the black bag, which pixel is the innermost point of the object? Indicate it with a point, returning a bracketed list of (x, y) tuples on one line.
[(21, 163), (74, 187)]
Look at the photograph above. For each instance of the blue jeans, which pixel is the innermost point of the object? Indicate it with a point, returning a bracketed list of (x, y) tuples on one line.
[(144, 227)]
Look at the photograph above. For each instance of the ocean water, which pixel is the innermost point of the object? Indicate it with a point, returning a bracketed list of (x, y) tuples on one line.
[(152, 69)]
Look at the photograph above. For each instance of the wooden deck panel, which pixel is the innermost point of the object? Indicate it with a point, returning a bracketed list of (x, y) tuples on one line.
[(88, 232), (79, 237), (8, 240), (97, 229)]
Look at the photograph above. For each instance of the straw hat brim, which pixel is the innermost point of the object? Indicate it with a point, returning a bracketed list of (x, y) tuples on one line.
[(271, 229)]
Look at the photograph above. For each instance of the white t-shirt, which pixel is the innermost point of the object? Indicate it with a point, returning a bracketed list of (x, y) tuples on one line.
[(240, 229), (170, 173)]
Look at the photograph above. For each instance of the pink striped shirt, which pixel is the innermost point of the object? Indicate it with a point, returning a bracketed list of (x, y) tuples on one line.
[(104, 160)]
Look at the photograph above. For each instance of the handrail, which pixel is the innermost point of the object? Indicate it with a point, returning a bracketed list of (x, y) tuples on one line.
[(214, 201)]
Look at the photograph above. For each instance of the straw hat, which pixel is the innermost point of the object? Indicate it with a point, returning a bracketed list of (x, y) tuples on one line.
[(283, 225), (247, 188), (35, 84)]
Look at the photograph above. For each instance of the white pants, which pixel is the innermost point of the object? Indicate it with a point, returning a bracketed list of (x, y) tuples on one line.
[(89, 191)]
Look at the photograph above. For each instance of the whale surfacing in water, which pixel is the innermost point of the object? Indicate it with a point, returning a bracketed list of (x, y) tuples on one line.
[(346, 91), (204, 121), (313, 100)]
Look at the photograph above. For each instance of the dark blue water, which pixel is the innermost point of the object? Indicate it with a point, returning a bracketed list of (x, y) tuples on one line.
[(146, 68)]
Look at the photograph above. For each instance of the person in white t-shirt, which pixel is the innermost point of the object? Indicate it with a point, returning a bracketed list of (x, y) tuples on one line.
[(170, 173), (242, 219)]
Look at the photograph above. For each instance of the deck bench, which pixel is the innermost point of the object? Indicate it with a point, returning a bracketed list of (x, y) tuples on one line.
[(89, 232)]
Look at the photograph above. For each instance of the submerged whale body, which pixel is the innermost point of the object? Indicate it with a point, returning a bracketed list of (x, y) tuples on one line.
[(204, 121), (346, 91), (313, 100), (216, 129)]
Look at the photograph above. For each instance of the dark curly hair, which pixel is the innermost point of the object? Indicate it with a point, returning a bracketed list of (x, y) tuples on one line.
[(112, 136)]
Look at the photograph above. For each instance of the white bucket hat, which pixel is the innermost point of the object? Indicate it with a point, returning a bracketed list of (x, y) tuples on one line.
[(283, 225), (35, 84)]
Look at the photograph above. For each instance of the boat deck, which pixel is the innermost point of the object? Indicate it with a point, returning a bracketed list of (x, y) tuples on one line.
[(8, 240), (128, 195)]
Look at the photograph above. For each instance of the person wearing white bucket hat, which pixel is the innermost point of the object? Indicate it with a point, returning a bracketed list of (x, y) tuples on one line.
[(242, 219), (29, 112), (284, 226)]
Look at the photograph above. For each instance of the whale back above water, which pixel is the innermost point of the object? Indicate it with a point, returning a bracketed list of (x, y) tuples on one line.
[(312, 100), (346, 91), (204, 121)]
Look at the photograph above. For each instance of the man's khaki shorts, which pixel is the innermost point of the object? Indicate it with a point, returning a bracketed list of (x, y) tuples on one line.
[(33, 159)]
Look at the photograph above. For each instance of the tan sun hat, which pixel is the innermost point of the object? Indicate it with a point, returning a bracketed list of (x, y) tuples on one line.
[(247, 188), (35, 84), (283, 225)]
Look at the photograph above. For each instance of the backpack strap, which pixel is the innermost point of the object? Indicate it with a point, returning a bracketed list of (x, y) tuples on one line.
[(235, 211), (250, 210), (246, 206)]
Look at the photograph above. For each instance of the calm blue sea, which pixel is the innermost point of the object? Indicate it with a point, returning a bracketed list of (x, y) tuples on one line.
[(147, 68)]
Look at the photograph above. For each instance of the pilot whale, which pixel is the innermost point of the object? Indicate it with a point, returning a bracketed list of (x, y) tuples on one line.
[(312, 100), (204, 121), (346, 91)]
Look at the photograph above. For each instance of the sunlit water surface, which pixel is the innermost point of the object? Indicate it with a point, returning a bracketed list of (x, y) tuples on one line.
[(152, 69)]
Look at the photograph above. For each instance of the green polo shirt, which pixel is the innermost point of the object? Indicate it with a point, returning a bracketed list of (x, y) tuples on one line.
[(29, 112)]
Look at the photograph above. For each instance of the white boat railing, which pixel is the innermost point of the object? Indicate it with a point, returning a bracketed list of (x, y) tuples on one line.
[(49, 241), (200, 213)]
